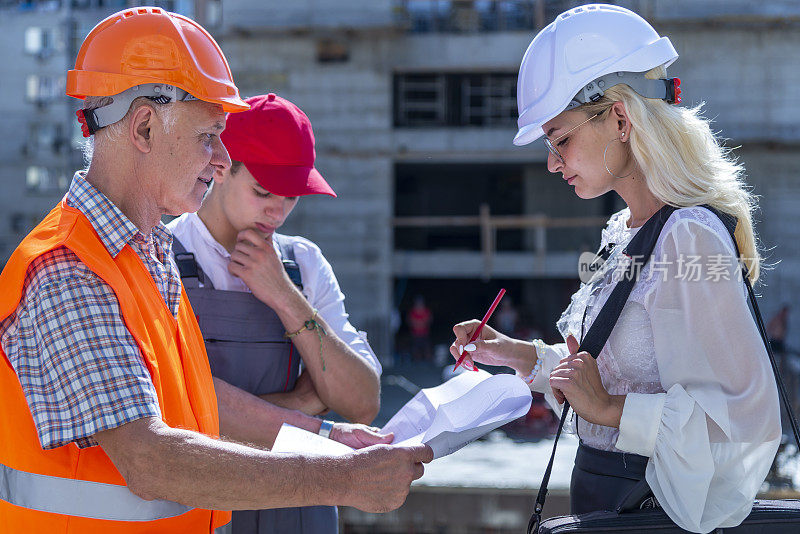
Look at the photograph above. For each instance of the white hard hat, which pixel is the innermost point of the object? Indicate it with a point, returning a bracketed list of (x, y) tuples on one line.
[(583, 50)]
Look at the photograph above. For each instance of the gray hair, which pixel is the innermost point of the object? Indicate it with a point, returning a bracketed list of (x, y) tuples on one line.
[(112, 132)]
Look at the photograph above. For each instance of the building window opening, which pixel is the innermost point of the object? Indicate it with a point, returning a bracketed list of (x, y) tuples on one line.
[(455, 99)]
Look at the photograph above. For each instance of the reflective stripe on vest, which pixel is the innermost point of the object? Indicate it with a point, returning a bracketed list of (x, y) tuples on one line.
[(82, 498)]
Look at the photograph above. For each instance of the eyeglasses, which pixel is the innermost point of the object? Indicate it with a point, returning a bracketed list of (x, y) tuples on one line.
[(551, 144)]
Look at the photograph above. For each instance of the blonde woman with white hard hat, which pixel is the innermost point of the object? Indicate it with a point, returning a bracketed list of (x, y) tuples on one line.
[(681, 394)]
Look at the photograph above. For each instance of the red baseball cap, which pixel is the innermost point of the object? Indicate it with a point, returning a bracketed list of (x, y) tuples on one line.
[(275, 142)]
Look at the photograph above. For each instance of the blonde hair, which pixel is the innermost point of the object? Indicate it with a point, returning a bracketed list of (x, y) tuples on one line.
[(684, 163)]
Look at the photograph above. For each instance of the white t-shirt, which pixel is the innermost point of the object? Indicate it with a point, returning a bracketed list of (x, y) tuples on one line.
[(701, 401), (320, 286)]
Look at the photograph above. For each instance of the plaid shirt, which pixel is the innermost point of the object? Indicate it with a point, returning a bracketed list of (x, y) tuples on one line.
[(79, 366)]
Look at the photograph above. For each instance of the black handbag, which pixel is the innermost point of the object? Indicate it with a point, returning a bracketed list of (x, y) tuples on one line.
[(767, 516)]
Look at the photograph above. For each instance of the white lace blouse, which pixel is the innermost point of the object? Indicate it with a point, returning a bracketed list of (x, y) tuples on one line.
[(701, 398)]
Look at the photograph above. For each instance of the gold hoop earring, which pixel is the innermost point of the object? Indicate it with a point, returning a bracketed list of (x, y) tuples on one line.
[(605, 164)]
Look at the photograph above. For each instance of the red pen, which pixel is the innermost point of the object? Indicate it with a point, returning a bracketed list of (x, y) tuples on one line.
[(477, 332)]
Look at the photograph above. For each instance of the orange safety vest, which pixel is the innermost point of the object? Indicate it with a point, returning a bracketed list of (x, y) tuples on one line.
[(49, 488)]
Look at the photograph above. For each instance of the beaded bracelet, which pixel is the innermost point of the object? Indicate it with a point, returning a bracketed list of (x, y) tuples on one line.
[(311, 324), (539, 345)]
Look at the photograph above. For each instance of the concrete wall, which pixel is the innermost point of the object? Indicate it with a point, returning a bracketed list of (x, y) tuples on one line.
[(748, 76), (262, 15)]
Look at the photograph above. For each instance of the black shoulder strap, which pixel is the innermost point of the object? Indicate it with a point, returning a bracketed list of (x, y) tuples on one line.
[(288, 259), (191, 273), (639, 250)]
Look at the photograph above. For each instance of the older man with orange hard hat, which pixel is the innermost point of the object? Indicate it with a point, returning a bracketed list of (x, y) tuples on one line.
[(109, 418)]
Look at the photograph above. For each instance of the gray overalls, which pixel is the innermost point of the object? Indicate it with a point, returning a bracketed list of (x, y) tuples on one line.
[(246, 348)]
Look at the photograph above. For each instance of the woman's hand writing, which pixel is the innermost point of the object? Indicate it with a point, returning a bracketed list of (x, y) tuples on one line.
[(492, 348)]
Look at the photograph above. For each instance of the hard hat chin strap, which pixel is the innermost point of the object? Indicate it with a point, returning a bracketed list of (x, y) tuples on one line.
[(665, 89), (93, 119)]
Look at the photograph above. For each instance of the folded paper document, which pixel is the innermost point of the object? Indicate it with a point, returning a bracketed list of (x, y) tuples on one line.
[(445, 417)]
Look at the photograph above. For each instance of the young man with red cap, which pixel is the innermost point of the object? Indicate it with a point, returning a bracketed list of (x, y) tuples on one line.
[(269, 304)]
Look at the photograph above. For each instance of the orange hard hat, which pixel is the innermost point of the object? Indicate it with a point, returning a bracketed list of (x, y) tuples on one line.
[(147, 45)]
